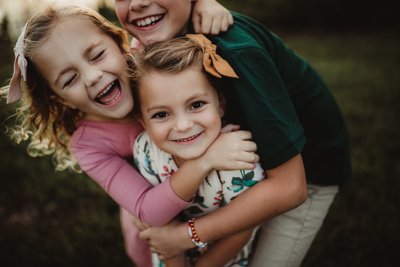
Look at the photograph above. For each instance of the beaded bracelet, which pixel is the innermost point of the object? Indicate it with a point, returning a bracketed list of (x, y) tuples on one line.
[(193, 235)]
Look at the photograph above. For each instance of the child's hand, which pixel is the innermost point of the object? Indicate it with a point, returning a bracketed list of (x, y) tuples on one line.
[(168, 241), (139, 224), (232, 151), (230, 128), (210, 17), (135, 44)]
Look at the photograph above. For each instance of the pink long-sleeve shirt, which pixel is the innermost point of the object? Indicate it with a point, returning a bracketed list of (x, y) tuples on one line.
[(103, 150)]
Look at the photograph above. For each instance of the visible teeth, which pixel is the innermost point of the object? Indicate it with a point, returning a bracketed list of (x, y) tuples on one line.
[(105, 91), (147, 21), (187, 139)]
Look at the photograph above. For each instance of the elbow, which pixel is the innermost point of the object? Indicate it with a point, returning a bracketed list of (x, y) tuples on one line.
[(156, 221), (299, 182), (302, 194), (299, 191)]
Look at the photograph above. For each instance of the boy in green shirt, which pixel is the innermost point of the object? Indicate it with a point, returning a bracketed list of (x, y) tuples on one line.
[(295, 121)]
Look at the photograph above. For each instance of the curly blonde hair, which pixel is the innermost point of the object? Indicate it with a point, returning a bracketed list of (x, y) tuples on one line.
[(40, 117)]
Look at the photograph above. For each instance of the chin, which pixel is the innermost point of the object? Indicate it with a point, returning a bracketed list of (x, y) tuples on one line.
[(193, 156)]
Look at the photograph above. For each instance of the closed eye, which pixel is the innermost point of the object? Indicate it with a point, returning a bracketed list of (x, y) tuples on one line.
[(98, 55), (69, 81)]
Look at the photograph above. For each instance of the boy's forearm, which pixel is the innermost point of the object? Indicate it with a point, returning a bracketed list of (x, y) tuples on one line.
[(222, 251), (177, 261), (284, 189)]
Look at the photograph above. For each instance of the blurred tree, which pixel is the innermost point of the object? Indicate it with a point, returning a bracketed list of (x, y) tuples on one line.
[(4, 29), (108, 12), (5, 49), (314, 14)]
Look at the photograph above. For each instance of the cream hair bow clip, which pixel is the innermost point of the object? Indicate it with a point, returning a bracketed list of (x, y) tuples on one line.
[(20, 69)]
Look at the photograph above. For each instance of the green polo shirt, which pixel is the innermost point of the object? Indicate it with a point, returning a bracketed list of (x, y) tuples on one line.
[(284, 103)]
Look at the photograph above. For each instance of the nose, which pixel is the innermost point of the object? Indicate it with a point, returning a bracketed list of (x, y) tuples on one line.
[(183, 123), (92, 76), (137, 5)]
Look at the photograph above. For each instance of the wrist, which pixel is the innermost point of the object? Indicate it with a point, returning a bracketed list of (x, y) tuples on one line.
[(194, 236), (203, 166), (184, 237)]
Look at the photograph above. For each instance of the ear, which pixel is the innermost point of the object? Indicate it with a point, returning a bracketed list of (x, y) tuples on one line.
[(222, 103), (140, 119)]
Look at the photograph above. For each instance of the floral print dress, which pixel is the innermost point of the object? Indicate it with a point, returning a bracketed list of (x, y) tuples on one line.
[(218, 188)]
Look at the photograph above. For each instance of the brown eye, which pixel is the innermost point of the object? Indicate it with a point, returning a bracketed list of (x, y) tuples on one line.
[(160, 115), (197, 105)]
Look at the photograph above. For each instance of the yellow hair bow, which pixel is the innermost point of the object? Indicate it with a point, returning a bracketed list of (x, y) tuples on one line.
[(212, 62)]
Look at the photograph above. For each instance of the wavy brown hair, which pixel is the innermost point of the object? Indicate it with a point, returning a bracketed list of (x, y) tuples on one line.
[(171, 56), (41, 118)]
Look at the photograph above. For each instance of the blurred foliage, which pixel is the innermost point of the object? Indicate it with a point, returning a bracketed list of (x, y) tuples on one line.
[(322, 15), (362, 71), (65, 219)]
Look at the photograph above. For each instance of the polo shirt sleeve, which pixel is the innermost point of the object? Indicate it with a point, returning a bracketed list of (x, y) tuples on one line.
[(266, 106)]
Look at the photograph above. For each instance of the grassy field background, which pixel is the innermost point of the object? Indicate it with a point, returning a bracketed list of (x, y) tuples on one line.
[(64, 219)]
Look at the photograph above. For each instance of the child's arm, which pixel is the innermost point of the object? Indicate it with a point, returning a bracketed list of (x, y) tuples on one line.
[(131, 191), (222, 251), (223, 154), (177, 261), (284, 189), (210, 17), (148, 160)]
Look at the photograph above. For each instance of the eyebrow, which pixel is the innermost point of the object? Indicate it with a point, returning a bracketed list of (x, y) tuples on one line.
[(191, 99), (85, 54)]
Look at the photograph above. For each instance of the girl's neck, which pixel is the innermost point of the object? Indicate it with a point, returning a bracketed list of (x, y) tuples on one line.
[(178, 161)]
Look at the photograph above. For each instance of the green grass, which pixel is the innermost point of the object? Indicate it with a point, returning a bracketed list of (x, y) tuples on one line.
[(62, 219), (362, 71)]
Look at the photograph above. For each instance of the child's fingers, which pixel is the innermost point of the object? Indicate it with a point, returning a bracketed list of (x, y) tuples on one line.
[(250, 146), (206, 23), (135, 44), (227, 21), (196, 23), (247, 161), (230, 128), (139, 224), (248, 157), (244, 135), (245, 166), (230, 19), (225, 24), (221, 23), (216, 26)]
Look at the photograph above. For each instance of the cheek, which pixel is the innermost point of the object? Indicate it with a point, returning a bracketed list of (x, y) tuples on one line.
[(214, 122), (121, 10), (158, 133)]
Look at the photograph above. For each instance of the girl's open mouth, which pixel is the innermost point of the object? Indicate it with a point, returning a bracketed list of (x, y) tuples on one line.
[(110, 94)]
